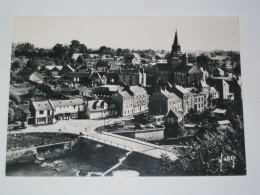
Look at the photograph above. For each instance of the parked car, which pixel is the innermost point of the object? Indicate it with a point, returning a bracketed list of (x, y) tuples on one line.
[(159, 126), (139, 126), (119, 124), (149, 126), (17, 125)]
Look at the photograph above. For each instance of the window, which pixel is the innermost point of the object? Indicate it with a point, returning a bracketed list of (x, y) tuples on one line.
[(49, 112), (41, 111)]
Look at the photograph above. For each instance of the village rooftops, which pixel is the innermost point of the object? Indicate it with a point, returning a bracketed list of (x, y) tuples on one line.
[(170, 95), (219, 111), (137, 90), (72, 70), (189, 125), (183, 68), (42, 105), (112, 88), (182, 89), (203, 84), (52, 67), (96, 105), (71, 102), (224, 122), (125, 94)]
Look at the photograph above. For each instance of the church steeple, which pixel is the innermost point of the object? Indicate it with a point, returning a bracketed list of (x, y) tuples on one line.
[(176, 48), (176, 41)]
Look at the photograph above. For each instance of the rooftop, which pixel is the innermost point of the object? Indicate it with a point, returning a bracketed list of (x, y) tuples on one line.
[(137, 90), (42, 105), (220, 111), (125, 94), (182, 89), (71, 102), (224, 122)]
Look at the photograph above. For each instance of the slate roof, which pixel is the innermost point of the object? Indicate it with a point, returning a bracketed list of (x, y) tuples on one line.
[(112, 88), (125, 94), (52, 67), (174, 113), (137, 90), (182, 68), (164, 67), (70, 68), (182, 89), (92, 105), (42, 105), (220, 111), (170, 95), (224, 122), (71, 102)]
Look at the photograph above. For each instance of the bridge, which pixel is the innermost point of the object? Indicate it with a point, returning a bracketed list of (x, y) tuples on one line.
[(131, 145), (78, 126)]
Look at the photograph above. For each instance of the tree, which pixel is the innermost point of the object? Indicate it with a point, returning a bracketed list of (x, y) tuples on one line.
[(80, 60), (32, 65), (16, 65), (74, 46), (15, 98), (217, 153), (203, 60), (61, 52), (119, 52), (103, 50)]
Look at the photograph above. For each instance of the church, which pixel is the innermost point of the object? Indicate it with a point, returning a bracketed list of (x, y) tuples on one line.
[(178, 69)]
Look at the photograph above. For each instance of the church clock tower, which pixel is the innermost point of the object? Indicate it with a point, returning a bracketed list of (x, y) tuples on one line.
[(175, 56)]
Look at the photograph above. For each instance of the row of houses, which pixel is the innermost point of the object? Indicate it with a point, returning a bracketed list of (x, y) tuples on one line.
[(131, 100)]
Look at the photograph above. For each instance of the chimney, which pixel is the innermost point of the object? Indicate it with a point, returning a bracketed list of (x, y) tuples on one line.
[(127, 88), (186, 59), (164, 87)]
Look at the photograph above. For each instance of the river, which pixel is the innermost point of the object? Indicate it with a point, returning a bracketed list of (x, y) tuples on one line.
[(86, 160)]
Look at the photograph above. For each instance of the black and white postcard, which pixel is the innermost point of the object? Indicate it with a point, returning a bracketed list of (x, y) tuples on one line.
[(125, 96)]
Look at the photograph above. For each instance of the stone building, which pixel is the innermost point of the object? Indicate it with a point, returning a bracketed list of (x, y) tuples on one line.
[(162, 101), (98, 109), (133, 77), (132, 100)]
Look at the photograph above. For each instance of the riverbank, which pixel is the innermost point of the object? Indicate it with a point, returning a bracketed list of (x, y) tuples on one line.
[(27, 140)]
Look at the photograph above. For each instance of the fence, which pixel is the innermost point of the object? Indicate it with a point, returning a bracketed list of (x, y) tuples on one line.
[(110, 143)]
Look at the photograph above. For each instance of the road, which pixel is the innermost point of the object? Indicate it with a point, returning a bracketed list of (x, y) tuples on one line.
[(87, 127)]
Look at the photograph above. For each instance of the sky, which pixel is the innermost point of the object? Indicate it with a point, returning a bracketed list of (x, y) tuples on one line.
[(144, 32)]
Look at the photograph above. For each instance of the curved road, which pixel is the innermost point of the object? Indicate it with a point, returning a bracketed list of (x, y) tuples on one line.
[(87, 127)]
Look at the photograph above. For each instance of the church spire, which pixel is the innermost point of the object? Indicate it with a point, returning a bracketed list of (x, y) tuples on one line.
[(176, 41)]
